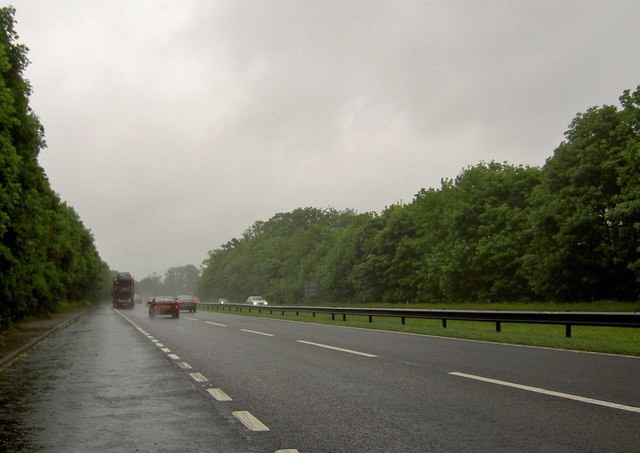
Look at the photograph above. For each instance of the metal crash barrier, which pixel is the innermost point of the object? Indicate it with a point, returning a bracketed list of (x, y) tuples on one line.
[(568, 319)]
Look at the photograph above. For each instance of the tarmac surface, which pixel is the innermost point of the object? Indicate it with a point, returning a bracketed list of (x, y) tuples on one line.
[(97, 385)]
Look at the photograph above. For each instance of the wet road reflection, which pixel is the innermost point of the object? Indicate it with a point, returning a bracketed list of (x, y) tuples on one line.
[(99, 385)]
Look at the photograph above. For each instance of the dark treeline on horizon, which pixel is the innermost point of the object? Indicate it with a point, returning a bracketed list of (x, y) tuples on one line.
[(568, 231)]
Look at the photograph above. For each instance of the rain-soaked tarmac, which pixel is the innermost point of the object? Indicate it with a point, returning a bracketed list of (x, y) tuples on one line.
[(98, 385)]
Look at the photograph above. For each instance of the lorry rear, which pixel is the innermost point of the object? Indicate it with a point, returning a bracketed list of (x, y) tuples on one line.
[(122, 290)]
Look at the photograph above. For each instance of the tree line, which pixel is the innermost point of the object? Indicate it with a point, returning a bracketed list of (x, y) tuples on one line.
[(177, 280), (568, 231), (46, 253)]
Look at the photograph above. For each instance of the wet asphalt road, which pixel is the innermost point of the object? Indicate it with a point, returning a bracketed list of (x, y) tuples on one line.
[(99, 385), (118, 381)]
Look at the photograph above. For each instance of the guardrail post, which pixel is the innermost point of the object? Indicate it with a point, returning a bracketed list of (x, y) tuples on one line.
[(313, 314), (444, 323), (370, 318), (498, 326), (567, 330), (403, 320), (333, 316), (344, 317)]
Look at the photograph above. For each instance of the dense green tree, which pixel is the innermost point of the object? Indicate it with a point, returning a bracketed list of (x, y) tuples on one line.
[(46, 254), (484, 244), (585, 209)]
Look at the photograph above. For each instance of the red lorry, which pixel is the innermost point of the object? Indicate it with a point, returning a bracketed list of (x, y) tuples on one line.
[(122, 290)]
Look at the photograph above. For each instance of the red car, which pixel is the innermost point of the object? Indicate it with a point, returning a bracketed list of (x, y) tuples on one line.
[(163, 305)]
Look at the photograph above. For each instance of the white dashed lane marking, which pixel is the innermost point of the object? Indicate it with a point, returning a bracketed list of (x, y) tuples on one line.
[(250, 421), (257, 333), (364, 354), (219, 395), (198, 377), (548, 392), (184, 365), (216, 324)]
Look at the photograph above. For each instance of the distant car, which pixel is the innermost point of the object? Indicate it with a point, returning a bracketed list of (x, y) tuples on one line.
[(188, 303), (256, 300), (163, 305), (223, 301)]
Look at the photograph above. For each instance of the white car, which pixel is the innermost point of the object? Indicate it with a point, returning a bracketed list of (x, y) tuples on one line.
[(256, 300)]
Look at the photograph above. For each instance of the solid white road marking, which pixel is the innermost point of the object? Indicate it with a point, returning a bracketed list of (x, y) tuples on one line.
[(184, 365), (364, 354), (219, 395), (174, 357), (198, 377), (549, 392), (257, 333), (250, 421), (288, 450), (216, 324)]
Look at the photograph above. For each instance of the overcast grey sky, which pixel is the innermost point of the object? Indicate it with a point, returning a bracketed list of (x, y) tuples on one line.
[(172, 126)]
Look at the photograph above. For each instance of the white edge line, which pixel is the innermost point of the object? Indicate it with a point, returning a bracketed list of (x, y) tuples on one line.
[(549, 392), (257, 333), (364, 354), (250, 421)]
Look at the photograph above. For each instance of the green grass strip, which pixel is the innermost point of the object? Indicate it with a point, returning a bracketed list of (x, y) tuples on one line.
[(611, 340)]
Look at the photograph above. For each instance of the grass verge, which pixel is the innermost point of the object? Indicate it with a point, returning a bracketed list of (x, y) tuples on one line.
[(611, 340)]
